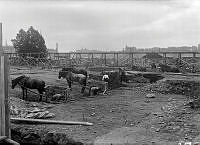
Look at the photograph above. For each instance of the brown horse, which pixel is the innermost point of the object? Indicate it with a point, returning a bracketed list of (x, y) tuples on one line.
[(70, 77), (26, 82)]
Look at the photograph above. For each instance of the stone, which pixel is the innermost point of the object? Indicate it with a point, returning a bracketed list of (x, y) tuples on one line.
[(14, 111), (53, 138), (32, 138), (152, 95)]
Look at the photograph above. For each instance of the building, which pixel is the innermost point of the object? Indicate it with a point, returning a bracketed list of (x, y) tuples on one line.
[(52, 50), (130, 49), (198, 48)]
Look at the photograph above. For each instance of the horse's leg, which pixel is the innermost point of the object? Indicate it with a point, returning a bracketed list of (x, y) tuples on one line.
[(40, 92), (26, 93), (84, 86), (22, 93), (90, 91), (69, 84)]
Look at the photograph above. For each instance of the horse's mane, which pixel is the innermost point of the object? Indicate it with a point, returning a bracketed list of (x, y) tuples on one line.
[(19, 78)]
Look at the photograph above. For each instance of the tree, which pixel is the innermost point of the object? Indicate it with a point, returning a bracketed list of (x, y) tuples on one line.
[(30, 42)]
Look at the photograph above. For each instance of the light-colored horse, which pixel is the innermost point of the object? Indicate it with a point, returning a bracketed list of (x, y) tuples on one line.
[(72, 77)]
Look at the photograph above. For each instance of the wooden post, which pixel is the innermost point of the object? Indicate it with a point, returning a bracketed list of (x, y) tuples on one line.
[(70, 63), (1, 40), (117, 60), (131, 60), (179, 55), (92, 58), (165, 57), (4, 106), (194, 54), (105, 59), (114, 60), (80, 58)]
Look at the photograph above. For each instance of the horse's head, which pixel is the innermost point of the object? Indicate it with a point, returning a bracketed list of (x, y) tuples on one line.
[(62, 74), (16, 81)]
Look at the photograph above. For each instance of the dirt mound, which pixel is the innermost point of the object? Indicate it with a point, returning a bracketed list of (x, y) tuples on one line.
[(29, 136), (183, 87), (53, 91), (24, 109)]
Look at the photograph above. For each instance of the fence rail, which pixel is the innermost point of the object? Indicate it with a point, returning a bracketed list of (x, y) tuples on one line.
[(114, 59)]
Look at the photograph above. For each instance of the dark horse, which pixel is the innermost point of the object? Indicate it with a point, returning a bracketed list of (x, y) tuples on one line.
[(70, 77), (27, 82), (75, 70)]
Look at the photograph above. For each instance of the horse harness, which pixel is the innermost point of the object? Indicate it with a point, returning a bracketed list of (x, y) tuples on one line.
[(23, 81)]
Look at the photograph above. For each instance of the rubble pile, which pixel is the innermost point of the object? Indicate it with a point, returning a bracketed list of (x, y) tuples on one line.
[(181, 87), (57, 94), (137, 79), (138, 68), (35, 111), (31, 136)]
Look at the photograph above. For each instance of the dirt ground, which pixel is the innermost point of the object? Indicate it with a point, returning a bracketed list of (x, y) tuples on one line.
[(122, 107)]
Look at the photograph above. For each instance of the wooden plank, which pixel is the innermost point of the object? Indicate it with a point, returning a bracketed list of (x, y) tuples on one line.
[(9, 141), (1, 39), (7, 107), (4, 106), (2, 137), (2, 97), (44, 121)]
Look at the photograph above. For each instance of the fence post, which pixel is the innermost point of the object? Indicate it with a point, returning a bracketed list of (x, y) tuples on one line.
[(92, 59), (117, 60), (4, 106), (132, 61), (105, 59)]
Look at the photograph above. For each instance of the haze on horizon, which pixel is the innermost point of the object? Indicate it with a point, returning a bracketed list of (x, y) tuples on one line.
[(104, 25)]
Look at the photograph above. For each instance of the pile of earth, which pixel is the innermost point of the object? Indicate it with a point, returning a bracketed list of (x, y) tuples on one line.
[(25, 109), (189, 88), (29, 136), (56, 94)]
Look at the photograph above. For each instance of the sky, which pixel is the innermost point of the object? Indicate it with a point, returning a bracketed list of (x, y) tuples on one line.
[(104, 25)]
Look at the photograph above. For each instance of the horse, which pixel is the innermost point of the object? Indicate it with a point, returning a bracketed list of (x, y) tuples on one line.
[(27, 82), (75, 70), (70, 77)]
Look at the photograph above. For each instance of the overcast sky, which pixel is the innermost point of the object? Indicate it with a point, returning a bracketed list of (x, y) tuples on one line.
[(105, 25)]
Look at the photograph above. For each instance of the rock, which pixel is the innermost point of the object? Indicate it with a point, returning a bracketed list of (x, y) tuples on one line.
[(147, 101), (40, 115), (56, 97), (32, 138), (194, 104), (14, 111), (157, 130), (34, 105), (50, 115), (93, 114), (35, 110), (53, 138), (150, 95)]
